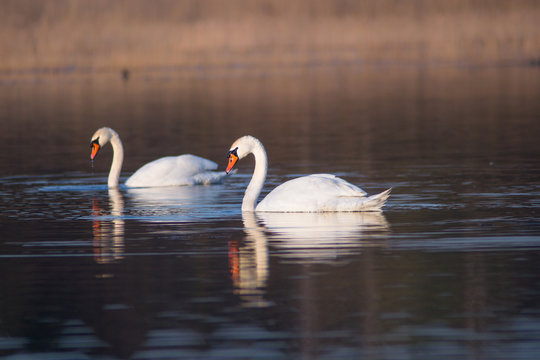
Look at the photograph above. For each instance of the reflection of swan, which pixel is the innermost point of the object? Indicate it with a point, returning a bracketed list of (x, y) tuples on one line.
[(109, 234), (175, 195), (177, 203), (323, 235), (308, 237), (313, 193), (249, 263), (166, 171)]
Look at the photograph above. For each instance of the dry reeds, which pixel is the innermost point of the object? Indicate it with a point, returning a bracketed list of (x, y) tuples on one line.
[(101, 35)]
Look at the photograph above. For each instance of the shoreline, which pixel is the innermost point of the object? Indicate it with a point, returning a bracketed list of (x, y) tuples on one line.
[(98, 35)]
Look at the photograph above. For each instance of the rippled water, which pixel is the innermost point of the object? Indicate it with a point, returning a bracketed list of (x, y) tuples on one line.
[(449, 270)]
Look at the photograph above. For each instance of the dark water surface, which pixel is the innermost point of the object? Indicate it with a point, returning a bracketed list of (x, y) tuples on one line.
[(450, 270)]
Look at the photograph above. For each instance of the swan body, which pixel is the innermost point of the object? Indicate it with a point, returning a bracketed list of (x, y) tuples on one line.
[(174, 171), (312, 193), (167, 171)]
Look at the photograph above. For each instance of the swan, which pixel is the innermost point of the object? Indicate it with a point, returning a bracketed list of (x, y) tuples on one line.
[(166, 171), (311, 193)]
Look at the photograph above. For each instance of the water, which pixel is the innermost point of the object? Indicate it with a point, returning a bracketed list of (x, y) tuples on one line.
[(449, 270)]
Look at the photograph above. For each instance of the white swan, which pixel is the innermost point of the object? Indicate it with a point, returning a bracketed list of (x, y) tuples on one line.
[(312, 193), (166, 171)]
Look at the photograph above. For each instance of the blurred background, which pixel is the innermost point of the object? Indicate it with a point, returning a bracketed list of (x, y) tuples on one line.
[(303, 73), (81, 35)]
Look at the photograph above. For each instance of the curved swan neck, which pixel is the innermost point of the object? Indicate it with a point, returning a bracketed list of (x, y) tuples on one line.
[(118, 159), (259, 175)]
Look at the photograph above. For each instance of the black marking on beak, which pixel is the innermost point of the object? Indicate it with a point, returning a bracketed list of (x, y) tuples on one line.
[(95, 141), (233, 152)]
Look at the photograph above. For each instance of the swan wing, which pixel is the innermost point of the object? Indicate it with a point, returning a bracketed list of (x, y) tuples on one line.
[(175, 171), (320, 193)]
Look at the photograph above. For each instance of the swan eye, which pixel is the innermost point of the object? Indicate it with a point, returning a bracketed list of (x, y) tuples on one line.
[(232, 152)]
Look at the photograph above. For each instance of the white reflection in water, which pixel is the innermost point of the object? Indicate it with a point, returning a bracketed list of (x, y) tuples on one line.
[(323, 236), (108, 230), (175, 203), (306, 237), (249, 263), (171, 195)]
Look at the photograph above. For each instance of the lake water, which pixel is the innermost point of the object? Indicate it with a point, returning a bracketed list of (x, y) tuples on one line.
[(449, 270)]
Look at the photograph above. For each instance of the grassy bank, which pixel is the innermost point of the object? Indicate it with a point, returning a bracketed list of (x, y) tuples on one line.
[(103, 35)]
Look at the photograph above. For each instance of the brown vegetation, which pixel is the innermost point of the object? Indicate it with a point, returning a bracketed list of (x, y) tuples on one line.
[(103, 34)]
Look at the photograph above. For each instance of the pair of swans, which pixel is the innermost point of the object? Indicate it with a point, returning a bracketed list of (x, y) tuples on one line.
[(312, 193)]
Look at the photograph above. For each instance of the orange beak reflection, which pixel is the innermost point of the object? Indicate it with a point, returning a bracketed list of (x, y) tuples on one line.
[(232, 161), (95, 149)]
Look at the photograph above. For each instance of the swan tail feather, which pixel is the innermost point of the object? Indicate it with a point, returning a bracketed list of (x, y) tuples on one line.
[(209, 177), (375, 202)]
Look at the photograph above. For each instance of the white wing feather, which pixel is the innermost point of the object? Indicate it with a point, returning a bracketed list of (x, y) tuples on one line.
[(320, 193), (175, 171)]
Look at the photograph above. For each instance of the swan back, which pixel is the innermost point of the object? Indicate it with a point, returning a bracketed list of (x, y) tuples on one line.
[(176, 171), (319, 193)]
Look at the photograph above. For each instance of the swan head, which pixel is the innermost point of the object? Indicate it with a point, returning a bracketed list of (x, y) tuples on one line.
[(101, 137), (240, 149)]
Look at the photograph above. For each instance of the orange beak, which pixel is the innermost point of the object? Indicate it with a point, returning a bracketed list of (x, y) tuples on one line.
[(95, 149), (232, 161)]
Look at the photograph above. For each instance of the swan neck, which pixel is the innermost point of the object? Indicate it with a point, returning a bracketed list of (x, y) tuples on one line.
[(118, 159), (257, 180)]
